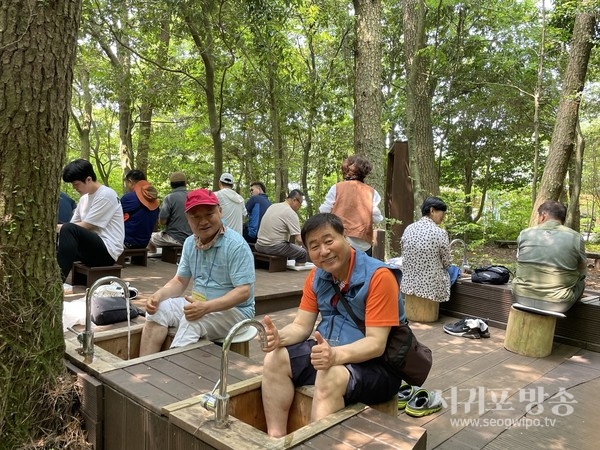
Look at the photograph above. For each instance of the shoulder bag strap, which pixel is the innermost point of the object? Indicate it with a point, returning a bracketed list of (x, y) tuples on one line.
[(359, 323)]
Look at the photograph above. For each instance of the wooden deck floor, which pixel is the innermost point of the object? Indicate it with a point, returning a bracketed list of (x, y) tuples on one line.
[(485, 383), (487, 390)]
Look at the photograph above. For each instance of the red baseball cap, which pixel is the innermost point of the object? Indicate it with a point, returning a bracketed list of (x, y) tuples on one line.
[(200, 197)]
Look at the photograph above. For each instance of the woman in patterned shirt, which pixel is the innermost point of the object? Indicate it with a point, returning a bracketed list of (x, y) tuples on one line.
[(426, 254)]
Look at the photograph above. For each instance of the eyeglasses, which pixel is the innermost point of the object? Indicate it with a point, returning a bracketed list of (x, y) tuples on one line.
[(298, 200)]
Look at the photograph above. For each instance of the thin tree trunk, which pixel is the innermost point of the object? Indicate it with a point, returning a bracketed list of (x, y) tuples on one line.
[(149, 97), (563, 137), (536, 107), (575, 172), (37, 52), (204, 43)]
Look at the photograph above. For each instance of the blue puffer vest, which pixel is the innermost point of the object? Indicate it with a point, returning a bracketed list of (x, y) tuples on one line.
[(336, 325)]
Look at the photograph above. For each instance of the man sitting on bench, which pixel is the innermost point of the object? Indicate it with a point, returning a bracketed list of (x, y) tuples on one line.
[(551, 262), (219, 262), (96, 232), (140, 209), (279, 225)]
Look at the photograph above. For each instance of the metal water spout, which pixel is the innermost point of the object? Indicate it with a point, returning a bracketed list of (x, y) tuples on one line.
[(87, 337), (219, 402), (465, 267)]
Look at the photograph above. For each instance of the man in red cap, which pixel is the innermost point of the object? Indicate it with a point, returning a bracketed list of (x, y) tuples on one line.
[(220, 264), (140, 209)]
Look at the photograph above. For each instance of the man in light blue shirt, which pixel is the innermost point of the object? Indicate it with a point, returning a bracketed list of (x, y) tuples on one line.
[(222, 268)]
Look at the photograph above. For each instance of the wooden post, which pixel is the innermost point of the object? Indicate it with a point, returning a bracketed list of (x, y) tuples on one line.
[(420, 309), (529, 334), (379, 245)]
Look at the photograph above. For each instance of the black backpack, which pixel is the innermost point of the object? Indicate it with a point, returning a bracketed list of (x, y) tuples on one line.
[(491, 275)]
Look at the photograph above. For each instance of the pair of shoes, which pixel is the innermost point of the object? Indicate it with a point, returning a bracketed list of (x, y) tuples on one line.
[(472, 328), (115, 290), (405, 394), (423, 403)]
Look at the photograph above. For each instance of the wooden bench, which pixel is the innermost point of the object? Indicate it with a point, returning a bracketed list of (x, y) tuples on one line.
[(139, 256), (171, 254), (506, 244), (86, 276), (596, 257), (273, 263)]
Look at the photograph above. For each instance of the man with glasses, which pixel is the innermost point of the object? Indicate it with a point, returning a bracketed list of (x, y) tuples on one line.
[(279, 232)]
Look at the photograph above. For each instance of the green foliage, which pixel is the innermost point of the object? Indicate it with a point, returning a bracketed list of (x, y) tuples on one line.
[(505, 214)]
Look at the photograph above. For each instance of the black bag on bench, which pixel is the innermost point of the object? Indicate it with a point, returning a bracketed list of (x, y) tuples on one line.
[(107, 310), (491, 275)]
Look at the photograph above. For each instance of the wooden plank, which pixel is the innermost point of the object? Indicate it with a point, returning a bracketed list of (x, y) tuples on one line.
[(157, 431), (114, 420), (175, 380), (323, 441), (138, 389), (383, 433), (135, 416)]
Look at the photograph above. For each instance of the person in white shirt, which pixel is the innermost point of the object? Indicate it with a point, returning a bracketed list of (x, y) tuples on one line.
[(232, 204), (96, 232)]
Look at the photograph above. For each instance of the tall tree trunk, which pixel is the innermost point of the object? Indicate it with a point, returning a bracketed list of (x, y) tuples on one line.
[(37, 52), (276, 139), (149, 97), (121, 64), (84, 123), (536, 106), (563, 136), (368, 100), (575, 171), (419, 93), (203, 40)]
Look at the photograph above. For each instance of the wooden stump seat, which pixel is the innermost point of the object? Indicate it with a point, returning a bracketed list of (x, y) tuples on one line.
[(529, 333), (171, 254), (273, 263), (86, 276), (139, 256), (419, 309)]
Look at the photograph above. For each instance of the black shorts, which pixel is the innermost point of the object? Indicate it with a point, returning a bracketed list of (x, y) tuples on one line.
[(369, 381)]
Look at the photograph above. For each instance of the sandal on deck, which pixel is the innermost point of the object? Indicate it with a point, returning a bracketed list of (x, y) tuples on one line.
[(423, 403), (405, 393)]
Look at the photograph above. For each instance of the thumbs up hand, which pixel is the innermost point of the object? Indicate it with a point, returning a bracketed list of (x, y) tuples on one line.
[(272, 335), (322, 355)]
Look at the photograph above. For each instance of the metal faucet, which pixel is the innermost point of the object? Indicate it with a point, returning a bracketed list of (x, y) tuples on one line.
[(465, 264), (87, 337), (219, 402)]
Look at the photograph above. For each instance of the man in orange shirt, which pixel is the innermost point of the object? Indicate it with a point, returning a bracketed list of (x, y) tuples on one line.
[(341, 361)]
